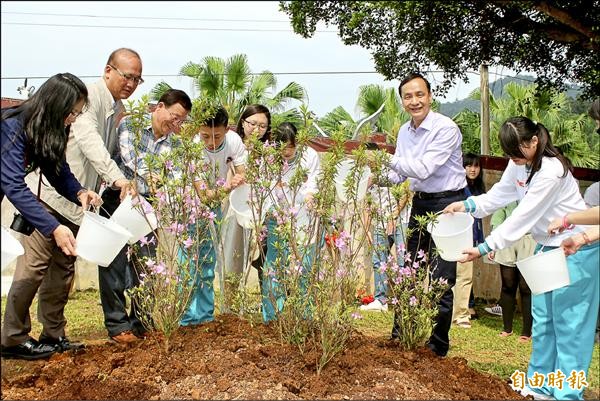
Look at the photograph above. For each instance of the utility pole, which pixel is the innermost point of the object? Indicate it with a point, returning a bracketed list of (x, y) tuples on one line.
[(484, 89)]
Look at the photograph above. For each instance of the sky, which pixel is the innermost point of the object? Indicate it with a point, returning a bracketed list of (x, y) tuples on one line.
[(40, 39)]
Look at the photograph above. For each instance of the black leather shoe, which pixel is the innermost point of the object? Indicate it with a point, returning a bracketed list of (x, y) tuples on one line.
[(62, 344), (435, 350), (29, 350)]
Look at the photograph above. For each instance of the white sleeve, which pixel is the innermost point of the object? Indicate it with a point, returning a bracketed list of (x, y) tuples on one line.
[(239, 154), (501, 194), (310, 162), (539, 199)]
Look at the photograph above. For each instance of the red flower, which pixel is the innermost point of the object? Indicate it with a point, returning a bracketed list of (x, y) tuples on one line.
[(367, 300), (330, 239)]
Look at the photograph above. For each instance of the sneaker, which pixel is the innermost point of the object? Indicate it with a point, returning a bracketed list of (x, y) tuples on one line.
[(494, 310), (375, 306), (125, 337), (525, 391)]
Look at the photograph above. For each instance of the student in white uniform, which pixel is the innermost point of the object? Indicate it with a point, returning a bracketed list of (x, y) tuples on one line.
[(308, 160), (221, 146), (563, 319), (255, 118)]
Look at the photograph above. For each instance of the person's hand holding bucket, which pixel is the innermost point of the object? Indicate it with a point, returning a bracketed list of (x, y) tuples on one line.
[(455, 207), (126, 186), (88, 197)]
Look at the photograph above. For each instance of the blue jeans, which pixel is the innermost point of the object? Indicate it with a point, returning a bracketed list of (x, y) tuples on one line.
[(201, 306), (273, 269), (382, 244)]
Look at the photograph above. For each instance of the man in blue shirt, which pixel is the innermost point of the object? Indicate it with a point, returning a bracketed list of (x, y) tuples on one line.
[(428, 151)]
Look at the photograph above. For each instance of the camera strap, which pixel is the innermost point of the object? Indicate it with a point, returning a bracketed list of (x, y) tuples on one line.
[(39, 187)]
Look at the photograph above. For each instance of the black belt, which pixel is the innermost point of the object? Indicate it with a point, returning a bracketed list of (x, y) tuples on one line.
[(435, 195)]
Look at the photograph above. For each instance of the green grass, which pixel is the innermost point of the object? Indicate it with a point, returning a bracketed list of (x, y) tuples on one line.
[(480, 345)]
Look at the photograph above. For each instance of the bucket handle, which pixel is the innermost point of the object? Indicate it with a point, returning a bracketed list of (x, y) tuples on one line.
[(544, 243), (96, 209)]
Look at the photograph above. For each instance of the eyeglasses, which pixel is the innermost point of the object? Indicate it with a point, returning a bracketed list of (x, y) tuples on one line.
[(177, 120), (129, 77), (254, 125)]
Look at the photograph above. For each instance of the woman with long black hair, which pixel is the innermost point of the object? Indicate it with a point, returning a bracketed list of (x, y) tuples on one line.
[(34, 136)]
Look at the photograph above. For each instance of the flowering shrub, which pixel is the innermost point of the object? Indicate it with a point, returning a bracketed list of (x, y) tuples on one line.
[(315, 284), (414, 294), (166, 278)]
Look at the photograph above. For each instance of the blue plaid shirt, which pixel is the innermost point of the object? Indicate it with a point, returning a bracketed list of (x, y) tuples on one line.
[(132, 152)]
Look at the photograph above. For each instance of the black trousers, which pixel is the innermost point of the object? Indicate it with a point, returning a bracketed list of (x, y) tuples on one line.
[(439, 341), (117, 278)]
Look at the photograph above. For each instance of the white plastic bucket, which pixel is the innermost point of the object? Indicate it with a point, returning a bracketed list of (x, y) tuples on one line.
[(11, 248), (452, 234), (342, 173), (239, 201), (545, 271), (99, 239), (132, 219)]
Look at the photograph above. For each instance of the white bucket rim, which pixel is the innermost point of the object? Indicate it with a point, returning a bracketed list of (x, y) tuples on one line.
[(103, 220), (431, 227)]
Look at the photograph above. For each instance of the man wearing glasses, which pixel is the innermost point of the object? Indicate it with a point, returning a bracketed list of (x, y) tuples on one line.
[(167, 118), (92, 140)]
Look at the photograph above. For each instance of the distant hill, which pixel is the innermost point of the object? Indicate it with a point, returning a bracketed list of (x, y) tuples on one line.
[(496, 87)]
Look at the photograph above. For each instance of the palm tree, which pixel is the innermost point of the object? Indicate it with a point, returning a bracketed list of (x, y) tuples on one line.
[(370, 99), (231, 83), (336, 120), (553, 110), (470, 127)]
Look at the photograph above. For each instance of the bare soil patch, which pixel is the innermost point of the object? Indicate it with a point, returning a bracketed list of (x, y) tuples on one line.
[(231, 359)]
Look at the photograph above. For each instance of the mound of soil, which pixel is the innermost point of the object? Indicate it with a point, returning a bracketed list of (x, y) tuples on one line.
[(231, 359)]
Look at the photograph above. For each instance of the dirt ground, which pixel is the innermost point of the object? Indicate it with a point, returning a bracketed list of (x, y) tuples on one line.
[(231, 359)]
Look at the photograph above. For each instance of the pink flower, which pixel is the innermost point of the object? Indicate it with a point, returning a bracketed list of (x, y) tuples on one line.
[(356, 315), (341, 273), (187, 243), (413, 301), (421, 254), (159, 268)]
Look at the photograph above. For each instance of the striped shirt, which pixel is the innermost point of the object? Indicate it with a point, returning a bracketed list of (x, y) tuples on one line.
[(133, 152)]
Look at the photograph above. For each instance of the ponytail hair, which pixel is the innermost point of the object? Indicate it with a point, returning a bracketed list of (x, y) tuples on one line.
[(517, 131)]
